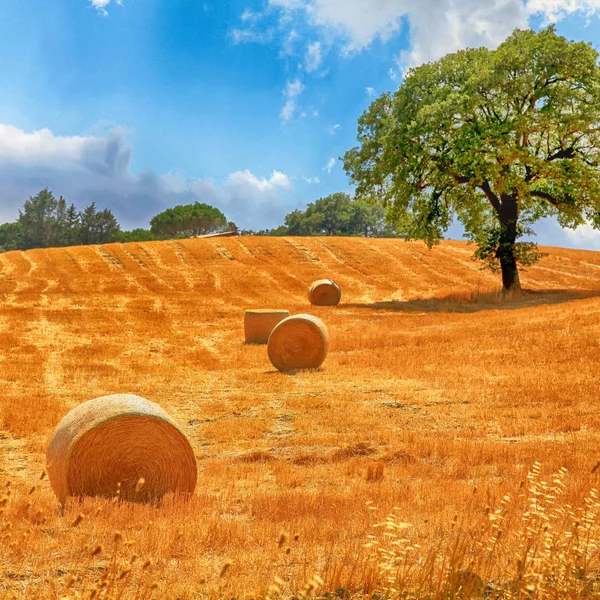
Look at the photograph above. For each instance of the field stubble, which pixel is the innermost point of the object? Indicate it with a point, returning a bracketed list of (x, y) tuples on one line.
[(436, 398)]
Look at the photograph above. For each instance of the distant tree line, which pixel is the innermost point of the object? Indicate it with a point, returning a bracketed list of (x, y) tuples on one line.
[(48, 222), (336, 214), (45, 222)]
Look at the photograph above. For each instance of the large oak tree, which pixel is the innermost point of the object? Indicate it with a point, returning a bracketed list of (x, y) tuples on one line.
[(496, 138)]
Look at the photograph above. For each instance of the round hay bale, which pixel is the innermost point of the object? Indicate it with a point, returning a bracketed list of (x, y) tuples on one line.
[(324, 292), (115, 440), (298, 342), (259, 323)]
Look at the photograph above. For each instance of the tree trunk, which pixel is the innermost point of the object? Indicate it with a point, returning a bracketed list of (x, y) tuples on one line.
[(510, 271), (506, 248)]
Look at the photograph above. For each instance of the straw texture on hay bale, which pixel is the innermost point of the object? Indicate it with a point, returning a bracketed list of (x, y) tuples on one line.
[(119, 439), (259, 323), (298, 342), (324, 292)]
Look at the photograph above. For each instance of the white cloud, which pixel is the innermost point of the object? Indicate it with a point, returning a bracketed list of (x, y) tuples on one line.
[(333, 130), (251, 35), (289, 43), (311, 179), (292, 90), (370, 92), (584, 236), (437, 27), (246, 178), (556, 10), (330, 164), (102, 4), (96, 168), (313, 58)]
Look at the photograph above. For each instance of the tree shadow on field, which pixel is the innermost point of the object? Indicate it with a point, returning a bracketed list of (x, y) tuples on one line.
[(471, 302)]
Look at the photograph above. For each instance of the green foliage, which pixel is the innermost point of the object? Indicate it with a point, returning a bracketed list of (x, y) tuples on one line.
[(97, 227), (488, 242), (495, 138), (336, 214), (11, 235), (189, 220), (277, 231), (46, 222), (135, 235), (39, 221)]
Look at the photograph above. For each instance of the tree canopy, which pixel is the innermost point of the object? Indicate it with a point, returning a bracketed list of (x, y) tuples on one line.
[(45, 221), (189, 220), (336, 214), (496, 138)]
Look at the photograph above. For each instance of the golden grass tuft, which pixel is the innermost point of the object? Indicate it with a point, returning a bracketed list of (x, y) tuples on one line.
[(324, 292), (109, 445), (258, 324), (298, 342)]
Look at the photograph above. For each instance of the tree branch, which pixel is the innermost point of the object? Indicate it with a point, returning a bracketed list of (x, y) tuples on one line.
[(545, 196), (563, 153), (494, 201), (461, 178), (530, 174)]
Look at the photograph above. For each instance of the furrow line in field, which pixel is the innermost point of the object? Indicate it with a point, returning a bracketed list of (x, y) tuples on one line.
[(182, 256), (145, 267), (303, 251), (113, 263)]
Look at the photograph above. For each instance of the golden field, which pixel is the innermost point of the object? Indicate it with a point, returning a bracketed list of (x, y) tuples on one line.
[(435, 402)]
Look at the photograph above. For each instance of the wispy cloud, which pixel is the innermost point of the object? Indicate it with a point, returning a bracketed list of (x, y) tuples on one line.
[(330, 164), (102, 4), (251, 35), (311, 179), (247, 15), (333, 130), (291, 91), (313, 58), (370, 92)]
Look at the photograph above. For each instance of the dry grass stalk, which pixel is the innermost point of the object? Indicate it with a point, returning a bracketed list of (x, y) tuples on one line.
[(324, 292), (106, 445), (298, 342), (258, 324)]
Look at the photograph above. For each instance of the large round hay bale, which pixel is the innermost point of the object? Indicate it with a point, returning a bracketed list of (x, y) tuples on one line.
[(298, 342), (259, 323), (324, 292), (115, 440)]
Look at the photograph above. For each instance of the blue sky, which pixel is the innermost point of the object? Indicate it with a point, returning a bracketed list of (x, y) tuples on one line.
[(143, 104)]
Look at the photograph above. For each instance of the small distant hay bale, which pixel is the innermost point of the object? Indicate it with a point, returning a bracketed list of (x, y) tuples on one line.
[(298, 342), (259, 323), (115, 440), (324, 292)]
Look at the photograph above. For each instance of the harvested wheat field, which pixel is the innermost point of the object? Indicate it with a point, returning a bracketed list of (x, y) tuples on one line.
[(434, 404)]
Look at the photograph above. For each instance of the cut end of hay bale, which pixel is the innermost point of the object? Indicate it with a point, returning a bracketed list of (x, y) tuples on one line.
[(324, 292), (258, 324), (298, 342), (110, 443)]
